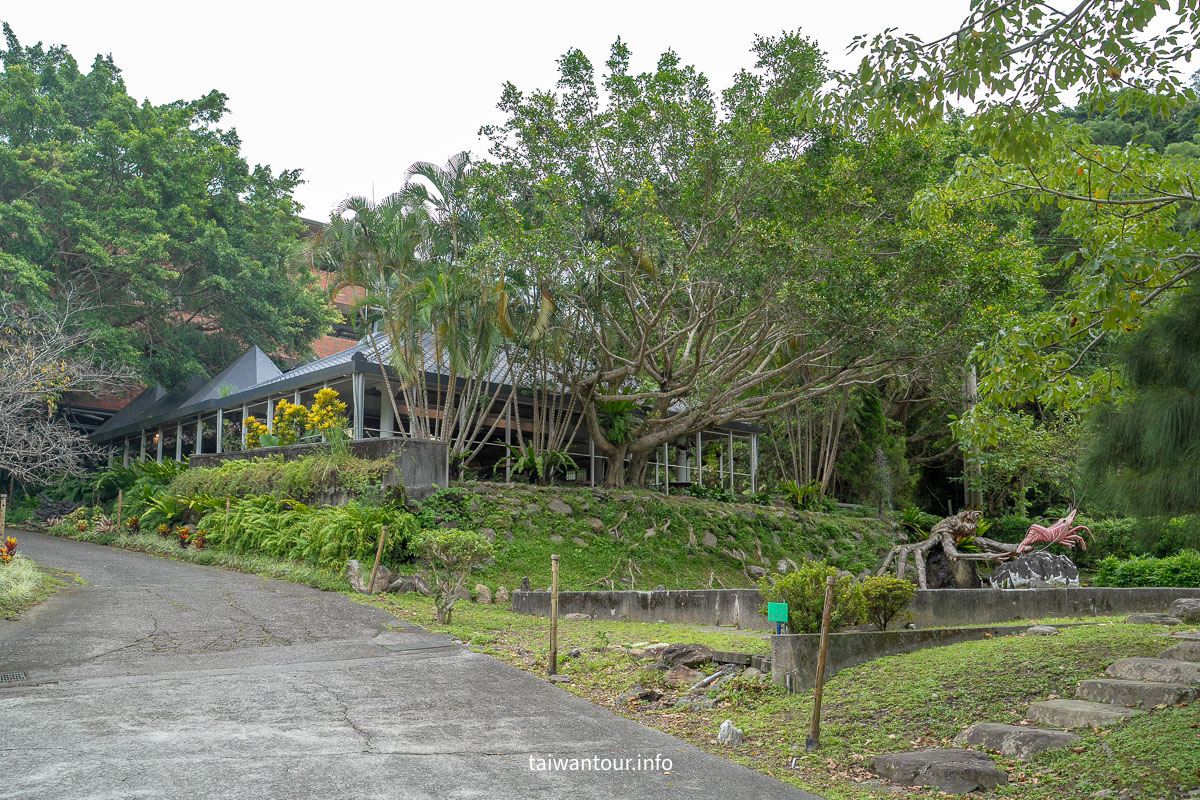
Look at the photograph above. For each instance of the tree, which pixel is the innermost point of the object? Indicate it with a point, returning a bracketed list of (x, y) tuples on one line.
[(451, 554), (44, 352), (708, 259), (180, 246)]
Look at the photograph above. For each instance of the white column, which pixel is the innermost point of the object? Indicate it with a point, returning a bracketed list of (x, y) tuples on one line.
[(699, 458), (159, 438), (220, 427), (731, 461), (358, 389), (179, 440), (296, 397), (245, 412), (125, 452), (387, 417), (199, 434), (592, 459), (753, 463), (270, 414), (142, 449)]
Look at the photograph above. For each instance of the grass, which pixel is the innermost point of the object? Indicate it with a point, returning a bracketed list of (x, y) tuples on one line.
[(912, 701), (294, 571), (24, 584)]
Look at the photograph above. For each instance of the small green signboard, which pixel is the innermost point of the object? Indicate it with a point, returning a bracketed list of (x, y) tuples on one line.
[(777, 612)]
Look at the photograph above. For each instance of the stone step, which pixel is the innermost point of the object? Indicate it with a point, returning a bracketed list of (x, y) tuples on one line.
[(1186, 608), (1184, 651), (1014, 741), (1153, 619), (955, 771), (1078, 714), (1162, 670), (1136, 693)]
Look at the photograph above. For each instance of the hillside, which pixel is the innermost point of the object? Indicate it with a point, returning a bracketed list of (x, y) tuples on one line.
[(640, 539)]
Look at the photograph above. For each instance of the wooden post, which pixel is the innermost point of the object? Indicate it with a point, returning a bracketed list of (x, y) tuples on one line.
[(378, 555), (814, 730), (3, 513), (554, 614), (120, 501)]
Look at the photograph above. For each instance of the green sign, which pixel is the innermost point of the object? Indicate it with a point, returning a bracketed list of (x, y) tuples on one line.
[(777, 612)]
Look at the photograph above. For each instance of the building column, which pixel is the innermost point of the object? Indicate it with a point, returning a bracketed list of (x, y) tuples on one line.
[(245, 412), (270, 415), (666, 469), (387, 417), (159, 440), (592, 459), (125, 452), (142, 449), (731, 477), (358, 389), (754, 463), (220, 427), (699, 458), (179, 440), (199, 434)]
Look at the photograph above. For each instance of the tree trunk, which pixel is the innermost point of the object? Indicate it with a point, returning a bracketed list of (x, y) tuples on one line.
[(614, 472), (637, 469)]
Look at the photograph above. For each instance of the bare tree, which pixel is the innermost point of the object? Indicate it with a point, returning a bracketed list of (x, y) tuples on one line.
[(45, 352)]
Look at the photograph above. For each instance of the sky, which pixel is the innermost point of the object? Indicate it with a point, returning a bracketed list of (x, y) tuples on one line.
[(352, 93)]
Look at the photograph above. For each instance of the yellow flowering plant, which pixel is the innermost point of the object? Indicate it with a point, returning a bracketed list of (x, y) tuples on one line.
[(328, 414)]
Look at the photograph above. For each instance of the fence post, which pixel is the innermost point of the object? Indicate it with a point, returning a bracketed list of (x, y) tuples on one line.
[(554, 614), (378, 555), (120, 500), (3, 513), (814, 730)]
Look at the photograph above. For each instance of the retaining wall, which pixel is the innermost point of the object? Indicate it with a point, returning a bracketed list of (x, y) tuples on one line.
[(941, 607), (420, 464)]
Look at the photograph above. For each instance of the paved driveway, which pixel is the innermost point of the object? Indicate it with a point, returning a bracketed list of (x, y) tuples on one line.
[(161, 679)]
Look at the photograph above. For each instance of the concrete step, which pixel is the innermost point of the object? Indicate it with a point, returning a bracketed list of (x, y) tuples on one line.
[(1184, 651), (1162, 670), (1078, 714), (1014, 741), (955, 771), (1146, 694)]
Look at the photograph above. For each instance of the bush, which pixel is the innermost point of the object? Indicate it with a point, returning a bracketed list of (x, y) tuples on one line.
[(301, 478), (884, 598), (1180, 570), (1009, 529), (804, 592), (451, 555)]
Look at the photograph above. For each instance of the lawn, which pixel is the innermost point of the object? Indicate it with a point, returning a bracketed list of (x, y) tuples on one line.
[(912, 701), (24, 584)]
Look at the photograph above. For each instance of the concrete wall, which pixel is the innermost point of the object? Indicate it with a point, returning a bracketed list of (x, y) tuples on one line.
[(733, 607), (419, 464), (794, 656), (941, 607)]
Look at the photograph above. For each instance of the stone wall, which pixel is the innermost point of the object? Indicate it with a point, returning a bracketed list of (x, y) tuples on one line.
[(420, 464), (941, 607)]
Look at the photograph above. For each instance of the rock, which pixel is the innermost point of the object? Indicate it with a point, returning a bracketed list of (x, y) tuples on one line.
[(482, 594), (638, 692), (1186, 608), (1014, 741), (596, 525), (782, 566), (557, 506), (681, 675), (1135, 693), (411, 583), (654, 650), (574, 652), (501, 594), (709, 540), (1078, 714), (690, 655), (942, 573), (554, 537), (577, 616), (1184, 651), (752, 674), (1153, 619), (755, 572), (525, 587), (1042, 630), (1162, 670), (561, 679), (578, 542), (489, 534), (1100, 794), (1036, 570), (955, 771), (532, 509), (693, 702), (359, 575), (728, 735)]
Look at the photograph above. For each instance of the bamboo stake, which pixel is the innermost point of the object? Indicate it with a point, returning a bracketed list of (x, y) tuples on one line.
[(814, 730), (120, 503), (554, 614), (3, 514), (378, 555)]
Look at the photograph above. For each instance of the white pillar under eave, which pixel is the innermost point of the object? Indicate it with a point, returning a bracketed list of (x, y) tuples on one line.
[(358, 386), (179, 440), (699, 459), (125, 452), (158, 440), (731, 477), (270, 415), (199, 434), (245, 411), (142, 448), (387, 417), (220, 427)]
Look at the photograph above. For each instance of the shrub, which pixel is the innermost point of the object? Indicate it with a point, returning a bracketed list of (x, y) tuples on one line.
[(301, 478), (804, 592), (1009, 529), (806, 497), (1180, 570), (451, 555), (885, 597)]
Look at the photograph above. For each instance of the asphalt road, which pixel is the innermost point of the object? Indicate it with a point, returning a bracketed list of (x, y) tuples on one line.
[(161, 679)]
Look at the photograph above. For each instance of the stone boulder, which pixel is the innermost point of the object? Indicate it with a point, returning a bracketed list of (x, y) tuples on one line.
[(1042, 630), (638, 692), (1036, 571), (1153, 619), (1014, 741), (955, 771), (1078, 714), (501, 595), (1162, 670), (680, 675), (709, 540), (411, 583), (557, 506), (728, 735), (1184, 651), (1146, 694), (1186, 608), (942, 572), (578, 616), (690, 655), (482, 594), (359, 576)]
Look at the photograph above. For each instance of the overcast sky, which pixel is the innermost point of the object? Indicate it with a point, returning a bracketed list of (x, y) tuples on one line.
[(354, 92)]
